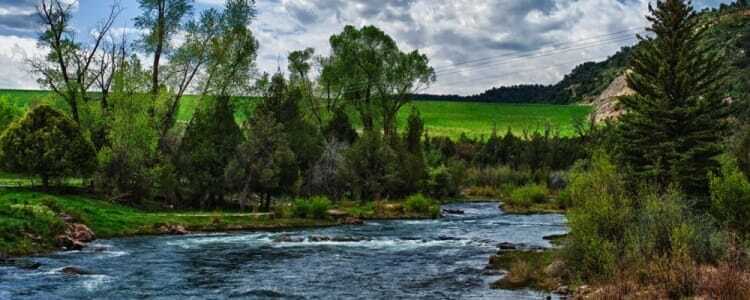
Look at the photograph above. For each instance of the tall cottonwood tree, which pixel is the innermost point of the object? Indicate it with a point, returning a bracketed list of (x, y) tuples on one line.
[(676, 119), (69, 69), (161, 19), (374, 75)]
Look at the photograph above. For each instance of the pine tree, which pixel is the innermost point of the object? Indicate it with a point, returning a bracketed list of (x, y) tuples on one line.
[(210, 141), (676, 120)]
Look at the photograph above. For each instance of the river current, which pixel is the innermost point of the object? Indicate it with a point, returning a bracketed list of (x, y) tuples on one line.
[(404, 259)]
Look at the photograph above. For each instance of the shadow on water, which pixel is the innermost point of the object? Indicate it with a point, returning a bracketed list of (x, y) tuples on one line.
[(383, 259)]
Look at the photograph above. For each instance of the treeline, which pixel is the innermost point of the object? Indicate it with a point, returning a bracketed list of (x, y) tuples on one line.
[(584, 82), (118, 131)]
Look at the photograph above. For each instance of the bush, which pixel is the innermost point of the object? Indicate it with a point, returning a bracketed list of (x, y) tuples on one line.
[(564, 199), (730, 197), (319, 206), (529, 194), (421, 204), (301, 208), (314, 207)]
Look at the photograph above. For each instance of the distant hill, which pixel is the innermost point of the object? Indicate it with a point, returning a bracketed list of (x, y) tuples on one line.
[(730, 30)]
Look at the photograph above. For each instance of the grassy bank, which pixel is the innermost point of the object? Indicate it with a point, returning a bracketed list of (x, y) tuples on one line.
[(29, 220)]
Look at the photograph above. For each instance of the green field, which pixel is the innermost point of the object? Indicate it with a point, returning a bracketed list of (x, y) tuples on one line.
[(441, 118)]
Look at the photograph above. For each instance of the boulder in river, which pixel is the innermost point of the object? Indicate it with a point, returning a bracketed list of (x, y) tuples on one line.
[(80, 232), (173, 229), (351, 221), (449, 211), (67, 242), (507, 246), (287, 239), (74, 271), (20, 263)]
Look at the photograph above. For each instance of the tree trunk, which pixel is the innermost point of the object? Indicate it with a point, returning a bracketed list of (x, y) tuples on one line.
[(45, 183)]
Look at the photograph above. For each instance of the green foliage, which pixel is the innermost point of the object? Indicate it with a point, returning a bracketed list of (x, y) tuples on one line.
[(18, 221), (8, 113), (528, 195), (497, 176), (301, 208), (646, 230), (124, 162), (677, 118), (47, 143), (374, 74), (340, 128), (418, 203), (210, 141), (730, 197), (264, 162), (318, 207), (370, 167)]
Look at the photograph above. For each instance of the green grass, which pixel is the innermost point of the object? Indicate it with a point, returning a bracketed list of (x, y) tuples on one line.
[(441, 118), (478, 119), (27, 213)]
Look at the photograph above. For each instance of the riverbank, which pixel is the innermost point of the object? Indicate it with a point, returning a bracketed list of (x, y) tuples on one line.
[(30, 221)]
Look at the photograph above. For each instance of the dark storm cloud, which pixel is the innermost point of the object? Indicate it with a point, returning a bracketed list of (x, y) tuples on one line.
[(18, 16), (26, 22)]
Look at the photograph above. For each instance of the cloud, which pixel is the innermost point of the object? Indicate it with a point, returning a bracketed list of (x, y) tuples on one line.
[(450, 32), (13, 54)]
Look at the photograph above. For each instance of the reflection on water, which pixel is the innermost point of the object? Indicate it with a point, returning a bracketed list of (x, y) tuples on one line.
[(382, 259)]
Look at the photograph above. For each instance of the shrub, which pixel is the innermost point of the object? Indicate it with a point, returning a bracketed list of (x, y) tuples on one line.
[(52, 203), (301, 208), (314, 207), (318, 207), (529, 194), (421, 204), (564, 199), (730, 197)]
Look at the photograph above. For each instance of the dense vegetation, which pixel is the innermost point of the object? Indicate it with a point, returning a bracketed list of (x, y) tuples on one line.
[(656, 201)]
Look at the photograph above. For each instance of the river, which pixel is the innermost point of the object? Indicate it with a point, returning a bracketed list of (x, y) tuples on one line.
[(398, 259)]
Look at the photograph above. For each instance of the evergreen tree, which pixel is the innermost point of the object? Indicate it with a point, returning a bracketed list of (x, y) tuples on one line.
[(676, 119), (46, 143), (210, 141), (340, 127), (265, 163)]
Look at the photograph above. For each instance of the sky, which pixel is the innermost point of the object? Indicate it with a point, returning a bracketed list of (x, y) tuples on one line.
[(472, 44)]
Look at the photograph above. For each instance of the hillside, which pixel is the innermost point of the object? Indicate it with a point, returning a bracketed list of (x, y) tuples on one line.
[(596, 82), (729, 30)]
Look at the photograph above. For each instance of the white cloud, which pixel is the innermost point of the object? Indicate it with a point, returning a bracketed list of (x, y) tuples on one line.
[(13, 53), (448, 31)]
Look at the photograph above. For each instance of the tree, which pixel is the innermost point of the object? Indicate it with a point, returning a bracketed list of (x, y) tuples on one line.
[(69, 68), (411, 155), (405, 74), (300, 64), (676, 119), (124, 162), (374, 74), (47, 143), (283, 103), (340, 128), (370, 167), (210, 141), (161, 19), (358, 60), (264, 163)]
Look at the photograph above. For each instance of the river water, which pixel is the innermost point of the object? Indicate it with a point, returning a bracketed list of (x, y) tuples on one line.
[(432, 259)]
